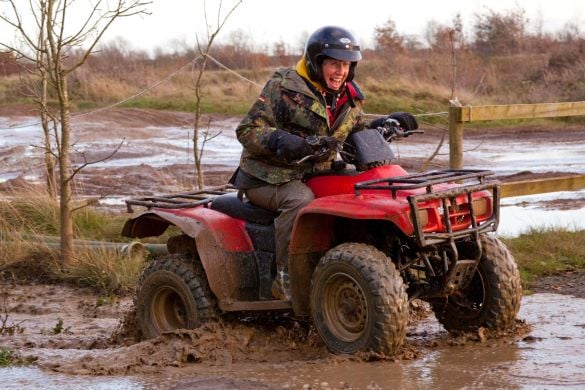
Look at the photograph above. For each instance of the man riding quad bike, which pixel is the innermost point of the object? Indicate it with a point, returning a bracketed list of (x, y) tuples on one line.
[(368, 243)]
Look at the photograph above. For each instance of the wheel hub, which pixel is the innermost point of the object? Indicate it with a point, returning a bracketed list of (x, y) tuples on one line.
[(168, 310), (346, 307)]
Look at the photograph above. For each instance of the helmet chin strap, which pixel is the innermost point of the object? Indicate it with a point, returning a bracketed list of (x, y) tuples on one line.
[(332, 97)]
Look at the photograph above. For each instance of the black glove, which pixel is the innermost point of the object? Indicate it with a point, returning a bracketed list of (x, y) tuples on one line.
[(289, 146), (406, 121)]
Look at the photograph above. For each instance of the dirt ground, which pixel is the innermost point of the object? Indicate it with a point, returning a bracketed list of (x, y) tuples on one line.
[(72, 330)]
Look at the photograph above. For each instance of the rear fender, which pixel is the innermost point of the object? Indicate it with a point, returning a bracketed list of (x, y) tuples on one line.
[(224, 247), (228, 232)]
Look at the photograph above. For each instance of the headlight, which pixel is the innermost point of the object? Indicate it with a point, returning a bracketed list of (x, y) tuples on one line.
[(480, 206), (423, 217)]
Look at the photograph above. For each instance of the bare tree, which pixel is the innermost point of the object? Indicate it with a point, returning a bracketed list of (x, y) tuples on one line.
[(212, 32), (388, 39), (50, 44), (500, 33)]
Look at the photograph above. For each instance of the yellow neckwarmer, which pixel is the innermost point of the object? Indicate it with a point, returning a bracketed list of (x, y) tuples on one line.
[(301, 69)]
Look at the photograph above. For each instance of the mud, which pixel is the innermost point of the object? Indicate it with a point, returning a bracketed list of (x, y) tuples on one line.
[(73, 338)]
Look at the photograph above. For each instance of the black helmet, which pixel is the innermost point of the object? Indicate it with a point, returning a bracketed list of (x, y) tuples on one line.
[(334, 42)]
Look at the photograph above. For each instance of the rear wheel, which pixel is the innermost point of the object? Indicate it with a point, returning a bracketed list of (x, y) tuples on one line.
[(172, 295), (358, 300), (492, 298)]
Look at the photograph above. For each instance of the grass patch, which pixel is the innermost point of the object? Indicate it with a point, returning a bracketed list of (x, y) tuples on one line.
[(110, 271), (542, 252), (161, 104), (29, 246), (35, 213), (6, 357)]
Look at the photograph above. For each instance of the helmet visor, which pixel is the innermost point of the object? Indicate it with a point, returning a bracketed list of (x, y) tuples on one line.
[(349, 53)]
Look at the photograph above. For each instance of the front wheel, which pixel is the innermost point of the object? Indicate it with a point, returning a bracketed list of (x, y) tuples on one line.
[(492, 298), (358, 300), (172, 295)]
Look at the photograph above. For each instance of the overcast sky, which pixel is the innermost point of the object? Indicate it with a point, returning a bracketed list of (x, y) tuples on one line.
[(269, 21)]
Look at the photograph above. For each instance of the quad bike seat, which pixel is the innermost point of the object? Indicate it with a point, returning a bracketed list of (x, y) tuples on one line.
[(232, 205)]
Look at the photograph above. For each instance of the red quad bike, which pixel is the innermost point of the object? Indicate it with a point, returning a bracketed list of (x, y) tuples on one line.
[(370, 241)]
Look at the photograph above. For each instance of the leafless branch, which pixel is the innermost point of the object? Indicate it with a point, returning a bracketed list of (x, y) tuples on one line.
[(86, 163), (123, 9)]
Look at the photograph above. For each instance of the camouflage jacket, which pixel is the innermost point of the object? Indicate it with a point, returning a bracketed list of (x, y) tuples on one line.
[(287, 103)]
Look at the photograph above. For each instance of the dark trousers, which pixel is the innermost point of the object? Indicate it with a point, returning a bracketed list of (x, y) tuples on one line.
[(288, 199)]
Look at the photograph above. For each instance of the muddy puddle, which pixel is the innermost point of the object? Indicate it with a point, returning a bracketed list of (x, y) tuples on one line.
[(548, 351)]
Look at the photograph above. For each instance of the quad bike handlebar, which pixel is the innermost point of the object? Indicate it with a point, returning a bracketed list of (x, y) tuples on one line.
[(391, 130), (323, 146)]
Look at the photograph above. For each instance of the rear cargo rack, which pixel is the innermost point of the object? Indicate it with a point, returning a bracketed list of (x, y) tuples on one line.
[(469, 181), (180, 200)]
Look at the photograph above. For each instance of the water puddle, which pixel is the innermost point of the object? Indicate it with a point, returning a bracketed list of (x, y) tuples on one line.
[(34, 378), (541, 212)]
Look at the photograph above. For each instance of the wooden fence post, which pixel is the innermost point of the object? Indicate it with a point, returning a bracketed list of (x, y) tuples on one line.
[(455, 138)]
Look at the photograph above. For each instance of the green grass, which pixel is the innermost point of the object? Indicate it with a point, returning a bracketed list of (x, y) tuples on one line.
[(29, 246), (160, 104), (110, 271), (208, 106), (542, 252), (6, 357), (37, 213)]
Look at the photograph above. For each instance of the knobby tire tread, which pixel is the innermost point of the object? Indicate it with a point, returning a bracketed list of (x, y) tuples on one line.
[(503, 290), (191, 275), (386, 287)]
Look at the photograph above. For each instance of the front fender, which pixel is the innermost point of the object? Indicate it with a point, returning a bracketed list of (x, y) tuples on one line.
[(313, 227)]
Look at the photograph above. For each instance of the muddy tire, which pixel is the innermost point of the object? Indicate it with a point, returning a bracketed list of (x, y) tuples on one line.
[(171, 295), (491, 300), (358, 301)]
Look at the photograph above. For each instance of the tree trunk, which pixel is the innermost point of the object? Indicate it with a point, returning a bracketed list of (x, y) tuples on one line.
[(199, 176), (50, 174), (65, 177)]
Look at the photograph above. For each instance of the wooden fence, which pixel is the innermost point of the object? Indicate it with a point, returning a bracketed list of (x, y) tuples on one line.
[(459, 115)]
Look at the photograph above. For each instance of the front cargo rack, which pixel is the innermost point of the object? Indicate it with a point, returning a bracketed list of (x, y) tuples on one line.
[(427, 179), (469, 180), (180, 200)]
